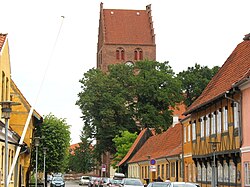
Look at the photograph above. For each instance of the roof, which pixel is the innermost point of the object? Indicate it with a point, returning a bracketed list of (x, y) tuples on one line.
[(2, 40), (128, 26), (235, 68), (166, 144), (134, 146)]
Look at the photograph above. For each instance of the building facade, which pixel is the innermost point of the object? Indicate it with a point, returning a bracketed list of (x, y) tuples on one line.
[(219, 121), (19, 114)]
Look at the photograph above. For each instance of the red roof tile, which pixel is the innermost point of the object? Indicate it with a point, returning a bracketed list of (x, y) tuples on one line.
[(233, 70), (2, 40), (163, 145), (127, 27), (132, 149)]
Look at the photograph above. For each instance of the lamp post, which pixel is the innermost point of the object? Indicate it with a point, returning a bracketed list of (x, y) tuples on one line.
[(6, 110), (214, 177), (44, 164), (37, 142)]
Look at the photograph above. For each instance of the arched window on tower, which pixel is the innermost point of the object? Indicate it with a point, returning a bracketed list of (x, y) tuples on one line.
[(120, 54), (138, 54)]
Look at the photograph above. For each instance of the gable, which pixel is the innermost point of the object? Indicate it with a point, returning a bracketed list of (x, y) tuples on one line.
[(162, 145), (127, 26)]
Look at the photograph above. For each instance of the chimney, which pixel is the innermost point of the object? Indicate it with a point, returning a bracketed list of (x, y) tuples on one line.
[(247, 37), (175, 120)]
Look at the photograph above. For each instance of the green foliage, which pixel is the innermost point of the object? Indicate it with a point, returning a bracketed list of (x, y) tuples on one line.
[(194, 80), (55, 136), (112, 102), (122, 144), (83, 159)]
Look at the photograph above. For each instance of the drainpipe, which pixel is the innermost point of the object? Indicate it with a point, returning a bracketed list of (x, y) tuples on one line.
[(240, 113)]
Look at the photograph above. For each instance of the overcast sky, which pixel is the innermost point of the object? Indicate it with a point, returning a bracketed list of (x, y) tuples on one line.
[(187, 32)]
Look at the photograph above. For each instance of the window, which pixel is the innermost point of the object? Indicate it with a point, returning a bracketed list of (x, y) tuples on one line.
[(220, 172), (232, 172), (162, 171), (226, 172), (142, 172), (172, 169), (236, 114), (213, 123), (189, 133), (158, 169), (218, 116), (204, 173), (209, 172), (185, 134), (202, 126), (3, 86), (193, 131), (194, 173), (199, 172), (120, 54), (138, 54), (247, 173), (135, 54), (207, 126), (189, 173), (225, 119), (167, 171)]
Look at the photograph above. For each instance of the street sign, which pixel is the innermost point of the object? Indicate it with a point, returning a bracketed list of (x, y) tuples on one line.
[(152, 161), (103, 167)]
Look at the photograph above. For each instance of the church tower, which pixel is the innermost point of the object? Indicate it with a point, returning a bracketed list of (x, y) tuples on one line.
[(125, 36)]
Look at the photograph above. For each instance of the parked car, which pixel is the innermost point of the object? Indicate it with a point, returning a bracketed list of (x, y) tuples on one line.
[(183, 184), (98, 182), (131, 182), (84, 180), (159, 184), (115, 183), (106, 182), (91, 181), (57, 182)]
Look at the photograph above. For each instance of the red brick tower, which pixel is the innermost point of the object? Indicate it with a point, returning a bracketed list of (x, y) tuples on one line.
[(125, 36)]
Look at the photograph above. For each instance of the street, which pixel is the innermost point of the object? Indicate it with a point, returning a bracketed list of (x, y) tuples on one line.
[(72, 184)]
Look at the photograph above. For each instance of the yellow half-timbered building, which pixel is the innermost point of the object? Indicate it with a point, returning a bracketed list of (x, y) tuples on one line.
[(216, 123)]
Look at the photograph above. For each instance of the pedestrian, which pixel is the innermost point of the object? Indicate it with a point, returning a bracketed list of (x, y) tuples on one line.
[(159, 179)]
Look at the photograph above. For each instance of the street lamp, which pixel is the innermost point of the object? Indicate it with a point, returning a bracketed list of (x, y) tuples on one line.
[(214, 177), (37, 142), (6, 110), (44, 158)]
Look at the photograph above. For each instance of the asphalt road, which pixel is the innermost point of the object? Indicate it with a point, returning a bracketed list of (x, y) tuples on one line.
[(73, 184)]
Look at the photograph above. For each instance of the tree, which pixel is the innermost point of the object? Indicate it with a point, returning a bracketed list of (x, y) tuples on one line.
[(123, 144), (194, 80), (114, 101), (83, 159), (55, 136)]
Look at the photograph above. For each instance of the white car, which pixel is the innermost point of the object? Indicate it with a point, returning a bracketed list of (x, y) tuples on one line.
[(84, 180), (131, 182), (183, 184)]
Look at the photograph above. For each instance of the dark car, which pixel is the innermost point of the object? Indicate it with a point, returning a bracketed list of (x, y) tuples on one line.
[(57, 181)]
